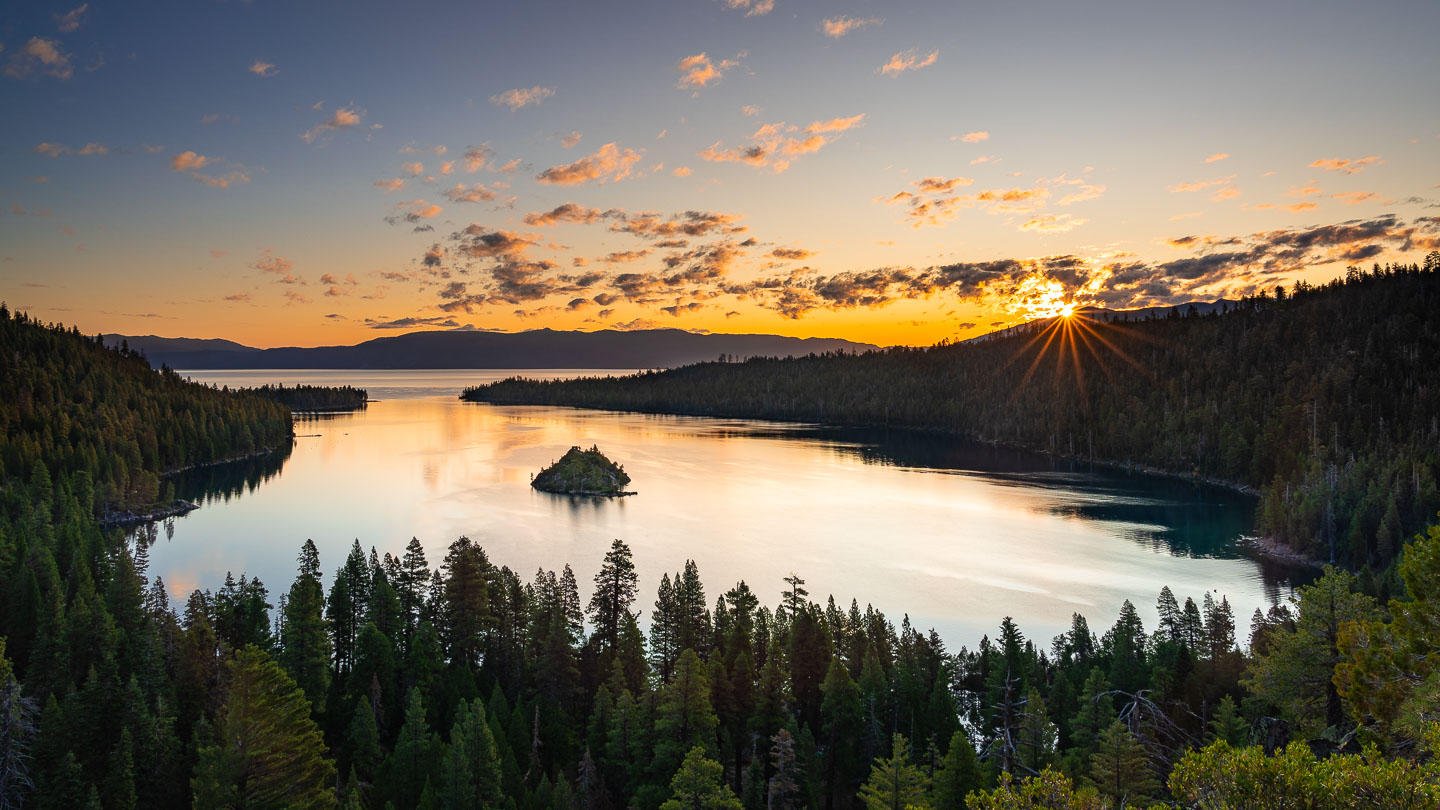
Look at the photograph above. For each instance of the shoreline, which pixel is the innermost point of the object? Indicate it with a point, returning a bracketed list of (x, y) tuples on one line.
[(1263, 547)]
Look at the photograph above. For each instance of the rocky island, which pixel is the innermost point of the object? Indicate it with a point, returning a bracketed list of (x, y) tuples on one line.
[(583, 472)]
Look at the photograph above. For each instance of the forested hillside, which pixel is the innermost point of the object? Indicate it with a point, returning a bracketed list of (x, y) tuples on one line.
[(396, 682), (79, 419), (1324, 399)]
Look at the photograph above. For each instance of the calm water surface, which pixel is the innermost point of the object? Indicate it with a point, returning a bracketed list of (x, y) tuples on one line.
[(955, 534)]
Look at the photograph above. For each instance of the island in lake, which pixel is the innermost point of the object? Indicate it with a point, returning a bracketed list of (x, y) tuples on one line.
[(583, 472)]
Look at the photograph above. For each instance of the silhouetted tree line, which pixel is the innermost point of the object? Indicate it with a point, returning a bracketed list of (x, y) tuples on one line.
[(313, 397), (1321, 398)]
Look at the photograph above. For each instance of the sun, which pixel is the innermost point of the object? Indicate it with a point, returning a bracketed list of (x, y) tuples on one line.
[(1067, 310)]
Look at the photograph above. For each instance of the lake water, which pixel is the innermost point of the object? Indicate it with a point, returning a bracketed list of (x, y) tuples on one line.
[(955, 534)]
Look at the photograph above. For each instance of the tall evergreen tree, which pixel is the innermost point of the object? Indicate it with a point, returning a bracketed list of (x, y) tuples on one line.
[(304, 643), (614, 594), (267, 753), (958, 775), (1120, 768), (895, 783), (470, 775)]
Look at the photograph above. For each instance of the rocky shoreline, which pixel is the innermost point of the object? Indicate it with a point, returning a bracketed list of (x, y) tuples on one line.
[(131, 517)]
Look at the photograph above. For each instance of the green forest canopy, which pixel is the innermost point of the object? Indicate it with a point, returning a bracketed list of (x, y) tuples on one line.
[(395, 680)]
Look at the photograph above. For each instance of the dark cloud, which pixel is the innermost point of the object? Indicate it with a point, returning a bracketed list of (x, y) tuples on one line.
[(409, 323)]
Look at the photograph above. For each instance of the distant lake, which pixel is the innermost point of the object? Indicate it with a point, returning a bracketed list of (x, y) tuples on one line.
[(956, 534)]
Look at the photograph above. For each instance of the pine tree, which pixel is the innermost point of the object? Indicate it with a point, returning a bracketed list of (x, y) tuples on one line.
[(684, 718), (407, 769), (1297, 671), (958, 775), (267, 753), (895, 783), (470, 775), (784, 786), (843, 723), (466, 605), (120, 780), (1095, 713), (411, 583), (614, 594), (304, 642), (1120, 768), (1036, 736), (697, 785), (1227, 725), (362, 742)]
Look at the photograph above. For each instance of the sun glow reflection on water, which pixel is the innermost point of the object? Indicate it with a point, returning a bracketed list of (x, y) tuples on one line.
[(955, 535)]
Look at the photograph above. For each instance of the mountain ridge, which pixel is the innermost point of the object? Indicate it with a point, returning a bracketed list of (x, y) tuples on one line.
[(537, 348)]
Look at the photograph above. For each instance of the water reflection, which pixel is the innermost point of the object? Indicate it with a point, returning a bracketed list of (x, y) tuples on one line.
[(955, 534), (221, 482)]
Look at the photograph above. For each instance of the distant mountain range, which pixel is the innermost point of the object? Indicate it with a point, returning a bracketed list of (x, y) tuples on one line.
[(540, 348)]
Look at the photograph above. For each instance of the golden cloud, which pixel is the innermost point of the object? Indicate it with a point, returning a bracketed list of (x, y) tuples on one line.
[(837, 27), (609, 163), (1345, 166), (908, 60)]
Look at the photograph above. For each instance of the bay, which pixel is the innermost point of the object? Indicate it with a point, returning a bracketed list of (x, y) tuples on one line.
[(951, 533)]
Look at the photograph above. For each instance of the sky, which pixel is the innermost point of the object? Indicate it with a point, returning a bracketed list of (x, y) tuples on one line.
[(321, 173)]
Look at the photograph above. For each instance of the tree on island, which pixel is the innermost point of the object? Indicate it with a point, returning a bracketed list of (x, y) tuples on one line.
[(583, 472)]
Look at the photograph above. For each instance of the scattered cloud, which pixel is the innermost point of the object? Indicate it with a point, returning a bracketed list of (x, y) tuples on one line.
[(624, 256), (570, 140), (908, 60), (1345, 166), (974, 137), (699, 71), (1200, 185), (1218, 156), (262, 68), (410, 322), (791, 254), (342, 118), (1353, 197), (753, 8), (40, 55), (413, 211), (477, 156), (777, 145), (70, 21), (1052, 223), (835, 124), (190, 163), (1084, 193), (522, 97), (270, 263), (393, 184), (476, 192), (607, 164), (681, 171), (411, 149), (185, 161), (837, 27), (568, 212)]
